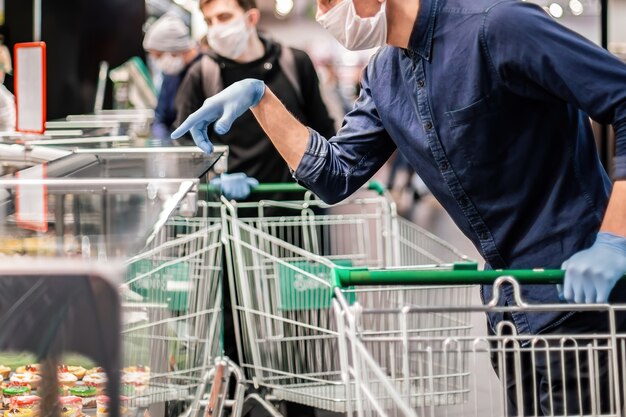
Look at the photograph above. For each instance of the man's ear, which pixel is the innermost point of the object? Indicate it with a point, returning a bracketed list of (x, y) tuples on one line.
[(254, 15)]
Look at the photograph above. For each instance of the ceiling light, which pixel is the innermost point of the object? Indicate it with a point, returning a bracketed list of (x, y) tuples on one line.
[(284, 7), (576, 7), (556, 10)]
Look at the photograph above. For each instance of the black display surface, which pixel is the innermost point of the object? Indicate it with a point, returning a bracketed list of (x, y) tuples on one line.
[(79, 34)]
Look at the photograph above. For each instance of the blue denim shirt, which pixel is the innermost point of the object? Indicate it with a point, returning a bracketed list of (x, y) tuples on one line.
[(490, 104)]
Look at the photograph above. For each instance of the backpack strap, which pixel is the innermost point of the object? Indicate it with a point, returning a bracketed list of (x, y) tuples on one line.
[(211, 76), (287, 62)]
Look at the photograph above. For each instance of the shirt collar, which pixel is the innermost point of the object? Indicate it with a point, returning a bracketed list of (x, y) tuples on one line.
[(421, 39)]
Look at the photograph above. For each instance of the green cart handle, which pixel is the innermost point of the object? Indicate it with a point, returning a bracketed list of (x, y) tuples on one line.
[(461, 274), (270, 187), (290, 187), (377, 186)]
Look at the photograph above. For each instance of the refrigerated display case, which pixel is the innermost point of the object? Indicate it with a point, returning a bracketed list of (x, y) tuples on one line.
[(96, 209)]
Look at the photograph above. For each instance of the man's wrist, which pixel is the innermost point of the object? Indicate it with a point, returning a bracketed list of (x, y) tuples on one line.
[(258, 91), (612, 240)]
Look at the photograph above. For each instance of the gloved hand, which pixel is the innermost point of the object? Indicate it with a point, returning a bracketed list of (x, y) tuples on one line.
[(235, 186), (591, 274), (222, 109), (160, 131)]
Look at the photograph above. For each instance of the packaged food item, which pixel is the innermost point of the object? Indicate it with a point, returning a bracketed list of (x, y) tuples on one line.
[(124, 406), (86, 393), (25, 401), (77, 371), (34, 368), (97, 370), (67, 379), (97, 380), (5, 371), (68, 411), (13, 390), (29, 378), (136, 376), (102, 406), (20, 412), (71, 401)]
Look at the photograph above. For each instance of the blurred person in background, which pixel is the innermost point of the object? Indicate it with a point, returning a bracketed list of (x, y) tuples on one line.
[(169, 44), (490, 102), (7, 110), (5, 60), (240, 52), (330, 86)]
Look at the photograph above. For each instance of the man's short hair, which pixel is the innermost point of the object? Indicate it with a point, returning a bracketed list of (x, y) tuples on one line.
[(244, 4)]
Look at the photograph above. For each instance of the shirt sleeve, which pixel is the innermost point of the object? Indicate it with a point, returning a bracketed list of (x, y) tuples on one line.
[(315, 109), (334, 169), (535, 56)]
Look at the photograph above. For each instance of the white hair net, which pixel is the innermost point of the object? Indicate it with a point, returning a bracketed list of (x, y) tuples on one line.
[(168, 34)]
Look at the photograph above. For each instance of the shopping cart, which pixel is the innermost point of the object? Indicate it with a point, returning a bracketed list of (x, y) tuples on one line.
[(280, 270), (171, 308), (582, 373)]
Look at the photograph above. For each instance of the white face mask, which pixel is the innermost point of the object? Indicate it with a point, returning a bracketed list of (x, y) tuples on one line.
[(230, 40), (171, 64), (352, 31)]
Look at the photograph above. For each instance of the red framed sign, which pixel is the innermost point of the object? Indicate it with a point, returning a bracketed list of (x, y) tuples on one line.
[(30, 86)]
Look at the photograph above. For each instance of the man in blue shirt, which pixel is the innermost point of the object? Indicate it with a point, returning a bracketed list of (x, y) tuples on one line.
[(490, 102)]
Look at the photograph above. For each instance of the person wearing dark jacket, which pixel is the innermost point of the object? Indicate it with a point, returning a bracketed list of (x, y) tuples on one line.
[(239, 52)]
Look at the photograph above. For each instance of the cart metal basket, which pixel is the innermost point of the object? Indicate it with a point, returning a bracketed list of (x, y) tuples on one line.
[(555, 374), (171, 308), (281, 266)]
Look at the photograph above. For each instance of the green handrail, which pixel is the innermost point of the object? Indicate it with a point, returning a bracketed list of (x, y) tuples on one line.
[(462, 274), (290, 187), (270, 187)]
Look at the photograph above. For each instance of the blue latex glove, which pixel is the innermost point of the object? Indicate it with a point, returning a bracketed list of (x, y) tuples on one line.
[(222, 109), (591, 274), (235, 186), (160, 131)]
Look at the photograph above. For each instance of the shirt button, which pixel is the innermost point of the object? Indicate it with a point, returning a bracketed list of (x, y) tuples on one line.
[(428, 126), (443, 166), (464, 202), (420, 83), (484, 236), (267, 66)]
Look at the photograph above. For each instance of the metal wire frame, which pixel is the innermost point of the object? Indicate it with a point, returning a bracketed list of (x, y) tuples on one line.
[(172, 308), (283, 293), (538, 375)]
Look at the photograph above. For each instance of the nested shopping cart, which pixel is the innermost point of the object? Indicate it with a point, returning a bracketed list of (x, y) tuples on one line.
[(280, 263), (171, 310), (562, 373)]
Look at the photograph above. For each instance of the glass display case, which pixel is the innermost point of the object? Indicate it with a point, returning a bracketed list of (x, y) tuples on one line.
[(73, 337)]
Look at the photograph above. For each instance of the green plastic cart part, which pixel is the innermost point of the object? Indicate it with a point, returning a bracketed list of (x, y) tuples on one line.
[(461, 274), (270, 187), (377, 186), (290, 187)]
